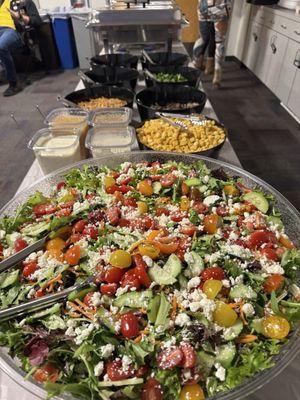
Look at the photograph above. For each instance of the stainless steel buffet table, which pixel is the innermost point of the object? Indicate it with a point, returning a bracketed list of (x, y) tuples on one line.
[(285, 386)]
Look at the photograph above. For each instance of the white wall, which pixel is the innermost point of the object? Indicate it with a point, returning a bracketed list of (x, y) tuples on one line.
[(50, 4), (97, 3)]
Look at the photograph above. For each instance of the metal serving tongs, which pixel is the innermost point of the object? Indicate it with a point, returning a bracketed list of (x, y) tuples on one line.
[(177, 124), (36, 304)]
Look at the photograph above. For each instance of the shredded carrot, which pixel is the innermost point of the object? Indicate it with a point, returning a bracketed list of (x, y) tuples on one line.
[(239, 307), (236, 305), (138, 339), (88, 314), (246, 338), (84, 306), (143, 310), (57, 278)]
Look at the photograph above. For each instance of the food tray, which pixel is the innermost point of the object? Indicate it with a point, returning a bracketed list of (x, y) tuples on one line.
[(290, 217)]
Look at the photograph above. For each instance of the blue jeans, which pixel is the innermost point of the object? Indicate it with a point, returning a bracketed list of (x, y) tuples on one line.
[(9, 41)]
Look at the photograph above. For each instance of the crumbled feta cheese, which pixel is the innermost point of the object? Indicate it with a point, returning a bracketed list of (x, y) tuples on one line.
[(271, 267), (99, 368), (295, 290), (126, 363), (122, 290), (148, 261), (107, 350), (31, 293), (182, 319), (171, 342), (8, 252), (209, 200), (194, 282), (226, 283), (237, 251), (233, 236), (83, 332), (205, 179), (2, 234), (221, 372), (248, 309), (96, 299)]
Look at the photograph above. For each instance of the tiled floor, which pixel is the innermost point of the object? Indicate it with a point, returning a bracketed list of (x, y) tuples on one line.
[(265, 137)]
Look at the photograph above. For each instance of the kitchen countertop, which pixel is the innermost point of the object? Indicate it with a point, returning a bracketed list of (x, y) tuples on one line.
[(284, 12)]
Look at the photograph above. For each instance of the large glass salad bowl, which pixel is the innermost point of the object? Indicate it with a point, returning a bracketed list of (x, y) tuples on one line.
[(289, 216)]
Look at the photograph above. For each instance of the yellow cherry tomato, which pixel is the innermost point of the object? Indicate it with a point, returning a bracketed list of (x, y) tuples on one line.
[(224, 315), (109, 181), (56, 243), (231, 190), (120, 259), (212, 287), (191, 392), (145, 188), (148, 250), (211, 223), (142, 207), (184, 204), (275, 327)]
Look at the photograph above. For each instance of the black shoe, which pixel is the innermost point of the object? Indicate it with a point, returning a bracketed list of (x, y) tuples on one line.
[(12, 90)]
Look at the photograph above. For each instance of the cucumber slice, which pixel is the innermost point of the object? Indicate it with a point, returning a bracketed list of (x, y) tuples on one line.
[(9, 279), (226, 354), (124, 382), (195, 264), (193, 182), (157, 187), (256, 325), (234, 331), (79, 294), (243, 291), (134, 299), (258, 200), (275, 220), (153, 308), (104, 318), (166, 275), (163, 311), (206, 362), (34, 230)]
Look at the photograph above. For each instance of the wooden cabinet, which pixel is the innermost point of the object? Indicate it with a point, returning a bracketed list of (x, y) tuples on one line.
[(277, 49)]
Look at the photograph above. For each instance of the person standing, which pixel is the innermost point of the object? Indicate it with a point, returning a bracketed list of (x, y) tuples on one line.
[(15, 16), (218, 13)]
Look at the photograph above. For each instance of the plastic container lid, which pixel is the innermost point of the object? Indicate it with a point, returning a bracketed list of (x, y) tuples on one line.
[(112, 117), (58, 112), (119, 140), (40, 141)]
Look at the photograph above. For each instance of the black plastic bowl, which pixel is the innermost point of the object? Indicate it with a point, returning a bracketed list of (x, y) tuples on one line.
[(94, 92), (191, 75), (113, 76), (162, 58), (208, 153), (162, 95), (116, 60)]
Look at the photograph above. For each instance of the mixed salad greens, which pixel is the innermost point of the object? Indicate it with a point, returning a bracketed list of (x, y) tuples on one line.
[(194, 283), (169, 78)]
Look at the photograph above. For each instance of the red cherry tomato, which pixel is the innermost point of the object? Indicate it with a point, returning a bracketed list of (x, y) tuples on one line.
[(222, 211), (273, 283), (95, 216), (130, 202), (213, 273), (257, 238), (67, 204), (140, 272), (47, 372), (161, 211), (44, 209), (125, 189), (29, 268), (185, 189), (1, 250), (199, 207), (167, 180), (188, 230), (144, 223), (91, 231), (80, 225), (113, 215), (72, 255), (88, 299), (169, 358), (113, 275), (131, 280), (240, 220), (123, 222), (129, 325), (189, 355), (60, 185), (90, 196), (39, 293), (111, 189), (152, 390), (178, 216), (137, 260), (109, 289), (155, 178), (75, 238), (20, 244), (141, 371), (116, 372), (183, 246), (271, 254)]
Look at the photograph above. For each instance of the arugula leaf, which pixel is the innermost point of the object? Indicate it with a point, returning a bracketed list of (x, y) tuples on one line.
[(291, 263), (170, 382), (80, 390)]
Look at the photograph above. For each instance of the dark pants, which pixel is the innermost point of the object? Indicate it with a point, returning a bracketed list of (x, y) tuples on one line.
[(206, 41), (9, 40)]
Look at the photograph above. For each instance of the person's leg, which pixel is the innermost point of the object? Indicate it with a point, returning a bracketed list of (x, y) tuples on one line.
[(210, 61), (201, 44), (9, 40), (220, 36)]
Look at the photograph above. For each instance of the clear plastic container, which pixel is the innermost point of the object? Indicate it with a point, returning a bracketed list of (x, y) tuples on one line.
[(71, 118), (112, 117), (101, 142), (54, 150)]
